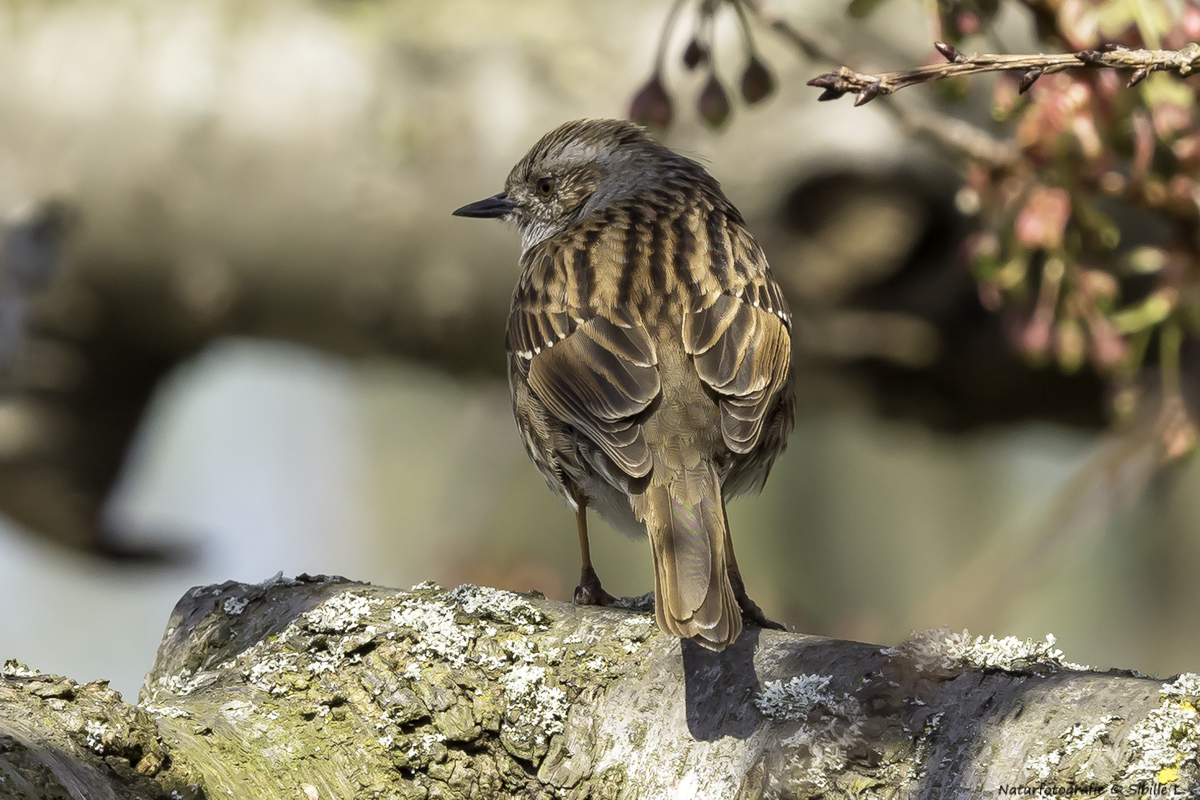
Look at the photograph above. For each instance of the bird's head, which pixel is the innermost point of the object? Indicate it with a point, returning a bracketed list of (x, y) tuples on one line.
[(574, 170)]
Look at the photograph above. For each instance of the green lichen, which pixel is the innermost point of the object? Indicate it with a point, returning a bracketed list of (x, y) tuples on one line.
[(1166, 744)]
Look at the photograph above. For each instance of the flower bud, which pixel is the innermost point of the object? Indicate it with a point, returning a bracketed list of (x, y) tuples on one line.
[(1043, 220), (695, 54), (967, 23), (1035, 340), (1069, 345), (1098, 284), (714, 103), (757, 81), (1108, 348), (1191, 22), (652, 105), (1187, 150)]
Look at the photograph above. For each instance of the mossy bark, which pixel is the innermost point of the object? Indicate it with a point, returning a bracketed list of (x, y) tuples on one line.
[(324, 688)]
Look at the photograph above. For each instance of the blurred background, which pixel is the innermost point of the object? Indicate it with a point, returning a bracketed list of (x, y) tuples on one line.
[(240, 332)]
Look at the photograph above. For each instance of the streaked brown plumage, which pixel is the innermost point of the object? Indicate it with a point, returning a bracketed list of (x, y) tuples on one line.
[(649, 357)]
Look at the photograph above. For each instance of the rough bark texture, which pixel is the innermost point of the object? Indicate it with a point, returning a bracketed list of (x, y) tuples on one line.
[(325, 688)]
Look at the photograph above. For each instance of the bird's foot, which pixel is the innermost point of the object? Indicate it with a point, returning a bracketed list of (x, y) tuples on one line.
[(589, 592), (750, 609)]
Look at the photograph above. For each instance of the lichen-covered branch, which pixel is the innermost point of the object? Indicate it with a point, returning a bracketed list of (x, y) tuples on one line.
[(323, 688), (1142, 62)]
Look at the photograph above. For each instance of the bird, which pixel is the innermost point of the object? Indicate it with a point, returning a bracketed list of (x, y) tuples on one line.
[(649, 358)]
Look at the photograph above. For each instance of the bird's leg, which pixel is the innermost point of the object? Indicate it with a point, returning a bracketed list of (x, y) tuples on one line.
[(750, 609), (589, 592)]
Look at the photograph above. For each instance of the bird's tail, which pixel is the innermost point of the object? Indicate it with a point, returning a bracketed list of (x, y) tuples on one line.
[(685, 521)]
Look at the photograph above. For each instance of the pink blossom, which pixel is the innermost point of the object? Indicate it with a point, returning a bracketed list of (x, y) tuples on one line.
[(1043, 220)]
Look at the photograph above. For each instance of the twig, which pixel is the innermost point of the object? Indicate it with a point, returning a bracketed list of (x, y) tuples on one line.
[(811, 48), (958, 136), (953, 135), (867, 87)]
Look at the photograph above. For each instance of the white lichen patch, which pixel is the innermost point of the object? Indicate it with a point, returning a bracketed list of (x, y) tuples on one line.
[(1044, 765), (268, 673), (499, 605), (323, 662), (437, 633), (1185, 687), (1165, 745), (340, 614), (830, 724), (596, 664), (185, 682), (520, 651), (279, 665), (1009, 653), (15, 669), (234, 606), (533, 703), (171, 712), (798, 696), (633, 631), (1076, 739), (425, 745), (95, 736), (237, 710)]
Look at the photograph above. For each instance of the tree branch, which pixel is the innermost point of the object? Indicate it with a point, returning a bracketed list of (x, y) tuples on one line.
[(319, 688), (867, 87), (954, 136)]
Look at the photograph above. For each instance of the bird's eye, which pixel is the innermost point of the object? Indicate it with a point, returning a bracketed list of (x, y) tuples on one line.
[(545, 186)]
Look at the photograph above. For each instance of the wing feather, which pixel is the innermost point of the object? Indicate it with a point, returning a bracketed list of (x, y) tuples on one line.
[(741, 346), (599, 379), (595, 372)]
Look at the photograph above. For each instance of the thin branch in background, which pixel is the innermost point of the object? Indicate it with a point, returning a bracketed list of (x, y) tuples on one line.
[(958, 136), (812, 49), (954, 136), (866, 86)]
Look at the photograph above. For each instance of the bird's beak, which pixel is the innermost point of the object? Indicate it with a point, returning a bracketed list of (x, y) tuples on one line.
[(488, 208)]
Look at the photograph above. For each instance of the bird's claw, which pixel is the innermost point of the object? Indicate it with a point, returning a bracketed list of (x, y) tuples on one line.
[(750, 609), (589, 592)]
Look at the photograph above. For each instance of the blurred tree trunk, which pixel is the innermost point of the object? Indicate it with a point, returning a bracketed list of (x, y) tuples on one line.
[(323, 688), (268, 169)]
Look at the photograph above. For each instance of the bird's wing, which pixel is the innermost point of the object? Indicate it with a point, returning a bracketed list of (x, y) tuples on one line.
[(740, 338), (594, 371)]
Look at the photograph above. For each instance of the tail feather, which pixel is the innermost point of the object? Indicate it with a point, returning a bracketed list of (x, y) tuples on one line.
[(685, 520)]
